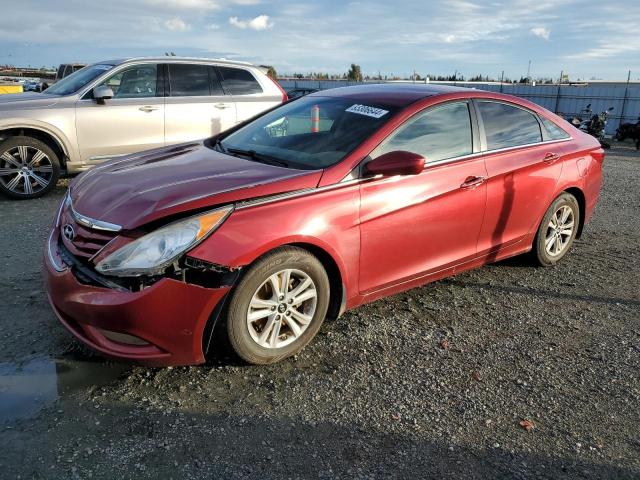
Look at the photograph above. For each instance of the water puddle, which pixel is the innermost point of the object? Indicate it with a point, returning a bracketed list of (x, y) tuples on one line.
[(27, 387)]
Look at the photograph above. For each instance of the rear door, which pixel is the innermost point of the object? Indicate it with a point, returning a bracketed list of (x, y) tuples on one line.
[(523, 171), (248, 94), (131, 121), (196, 106), (416, 225)]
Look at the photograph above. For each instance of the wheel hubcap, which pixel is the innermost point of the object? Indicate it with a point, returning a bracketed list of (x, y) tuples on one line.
[(25, 170), (282, 308), (559, 231)]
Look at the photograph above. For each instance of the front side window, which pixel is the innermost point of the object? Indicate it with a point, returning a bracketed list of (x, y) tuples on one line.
[(237, 81), (310, 133), (437, 134), (508, 126), (138, 81), (554, 131)]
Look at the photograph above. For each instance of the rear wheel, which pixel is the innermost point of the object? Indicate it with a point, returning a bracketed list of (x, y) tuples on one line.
[(557, 230), (29, 168), (278, 306)]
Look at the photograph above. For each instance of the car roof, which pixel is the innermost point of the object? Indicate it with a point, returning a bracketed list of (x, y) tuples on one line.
[(395, 94), (174, 59)]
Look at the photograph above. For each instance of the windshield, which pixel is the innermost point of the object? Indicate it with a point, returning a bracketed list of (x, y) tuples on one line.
[(309, 133), (77, 80)]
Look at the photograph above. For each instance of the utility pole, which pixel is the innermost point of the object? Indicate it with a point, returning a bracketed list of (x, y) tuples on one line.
[(624, 101), (529, 72), (501, 80)]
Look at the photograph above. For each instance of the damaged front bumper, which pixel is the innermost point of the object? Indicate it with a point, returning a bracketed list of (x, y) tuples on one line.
[(159, 322)]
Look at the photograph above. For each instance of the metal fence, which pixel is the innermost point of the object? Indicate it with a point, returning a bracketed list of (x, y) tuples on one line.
[(565, 100)]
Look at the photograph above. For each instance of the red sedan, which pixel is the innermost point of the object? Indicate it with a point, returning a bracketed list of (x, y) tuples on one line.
[(315, 207)]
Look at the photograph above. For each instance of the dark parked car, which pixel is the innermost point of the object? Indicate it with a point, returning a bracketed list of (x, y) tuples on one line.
[(315, 207)]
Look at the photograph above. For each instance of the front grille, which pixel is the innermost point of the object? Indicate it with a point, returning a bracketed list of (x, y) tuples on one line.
[(86, 242)]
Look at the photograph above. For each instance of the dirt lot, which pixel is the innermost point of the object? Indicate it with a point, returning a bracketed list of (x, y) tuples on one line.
[(430, 383)]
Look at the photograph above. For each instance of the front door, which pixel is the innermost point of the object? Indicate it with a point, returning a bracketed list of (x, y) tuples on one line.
[(196, 106), (133, 120), (412, 226)]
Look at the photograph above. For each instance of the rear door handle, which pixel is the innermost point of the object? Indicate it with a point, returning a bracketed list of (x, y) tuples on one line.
[(148, 108), (550, 157), (472, 182), (222, 106)]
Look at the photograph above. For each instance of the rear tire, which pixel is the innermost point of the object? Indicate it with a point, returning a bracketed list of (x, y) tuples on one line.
[(557, 231), (29, 168), (278, 306)]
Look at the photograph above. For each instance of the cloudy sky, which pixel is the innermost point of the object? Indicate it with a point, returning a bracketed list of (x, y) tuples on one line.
[(585, 38)]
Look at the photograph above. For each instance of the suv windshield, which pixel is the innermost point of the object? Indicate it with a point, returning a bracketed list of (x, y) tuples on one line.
[(310, 133), (77, 80)]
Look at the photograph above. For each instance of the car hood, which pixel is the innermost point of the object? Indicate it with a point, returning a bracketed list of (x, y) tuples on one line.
[(27, 100), (143, 188)]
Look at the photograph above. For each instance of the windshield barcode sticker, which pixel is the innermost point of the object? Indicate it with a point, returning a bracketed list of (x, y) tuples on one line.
[(366, 110)]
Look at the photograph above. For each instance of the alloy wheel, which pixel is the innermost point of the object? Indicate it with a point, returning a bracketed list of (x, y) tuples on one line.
[(559, 231), (282, 308), (25, 170)]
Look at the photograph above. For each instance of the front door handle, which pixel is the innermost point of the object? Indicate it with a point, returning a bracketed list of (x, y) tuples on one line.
[(550, 157), (148, 108), (222, 106), (472, 182)]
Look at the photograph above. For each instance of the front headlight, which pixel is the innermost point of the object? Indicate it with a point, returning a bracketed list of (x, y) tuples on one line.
[(151, 254)]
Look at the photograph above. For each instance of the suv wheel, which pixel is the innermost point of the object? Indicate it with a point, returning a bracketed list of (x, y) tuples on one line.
[(278, 306), (28, 168)]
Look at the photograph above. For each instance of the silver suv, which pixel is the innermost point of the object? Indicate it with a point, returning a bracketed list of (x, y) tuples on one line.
[(118, 107)]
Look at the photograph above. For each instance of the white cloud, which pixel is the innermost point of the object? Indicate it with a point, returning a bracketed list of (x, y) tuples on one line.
[(185, 4), (176, 25), (541, 32), (247, 2), (261, 22), (212, 26)]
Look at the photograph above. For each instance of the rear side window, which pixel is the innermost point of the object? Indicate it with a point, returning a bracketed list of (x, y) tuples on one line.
[(189, 80), (237, 81), (554, 131), (508, 126), (436, 134)]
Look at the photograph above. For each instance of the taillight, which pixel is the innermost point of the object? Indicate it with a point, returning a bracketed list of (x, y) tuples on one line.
[(598, 155), (285, 97)]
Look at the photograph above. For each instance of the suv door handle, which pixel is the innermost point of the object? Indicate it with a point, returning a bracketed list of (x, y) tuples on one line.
[(472, 182), (222, 106), (148, 108), (550, 157)]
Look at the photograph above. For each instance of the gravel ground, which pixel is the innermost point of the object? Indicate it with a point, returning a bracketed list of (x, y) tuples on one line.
[(432, 383)]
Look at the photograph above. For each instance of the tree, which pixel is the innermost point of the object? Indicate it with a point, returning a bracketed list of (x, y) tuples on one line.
[(354, 74), (271, 72)]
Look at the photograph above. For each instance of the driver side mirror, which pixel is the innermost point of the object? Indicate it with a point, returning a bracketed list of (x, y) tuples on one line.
[(102, 93), (398, 162)]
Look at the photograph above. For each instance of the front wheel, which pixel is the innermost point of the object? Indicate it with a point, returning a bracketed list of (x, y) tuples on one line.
[(278, 306), (557, 230), (29, 168)]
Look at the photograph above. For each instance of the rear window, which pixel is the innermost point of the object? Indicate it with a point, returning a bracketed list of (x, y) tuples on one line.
[(237, 81), (508, 126), (189, 80), (554, 131)]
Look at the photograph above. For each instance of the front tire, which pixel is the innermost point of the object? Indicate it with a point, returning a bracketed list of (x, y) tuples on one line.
[(278, 306), (29, 168), (557, 230)]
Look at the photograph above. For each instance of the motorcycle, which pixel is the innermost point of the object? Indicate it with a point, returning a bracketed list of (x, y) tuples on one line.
[(629, 130), (594, 125)]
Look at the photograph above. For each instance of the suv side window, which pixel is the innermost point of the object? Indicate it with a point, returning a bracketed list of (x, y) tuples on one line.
[(508, 126), (438, 133), (236, 81), (554, 131), (137, 81), (187, 80)]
